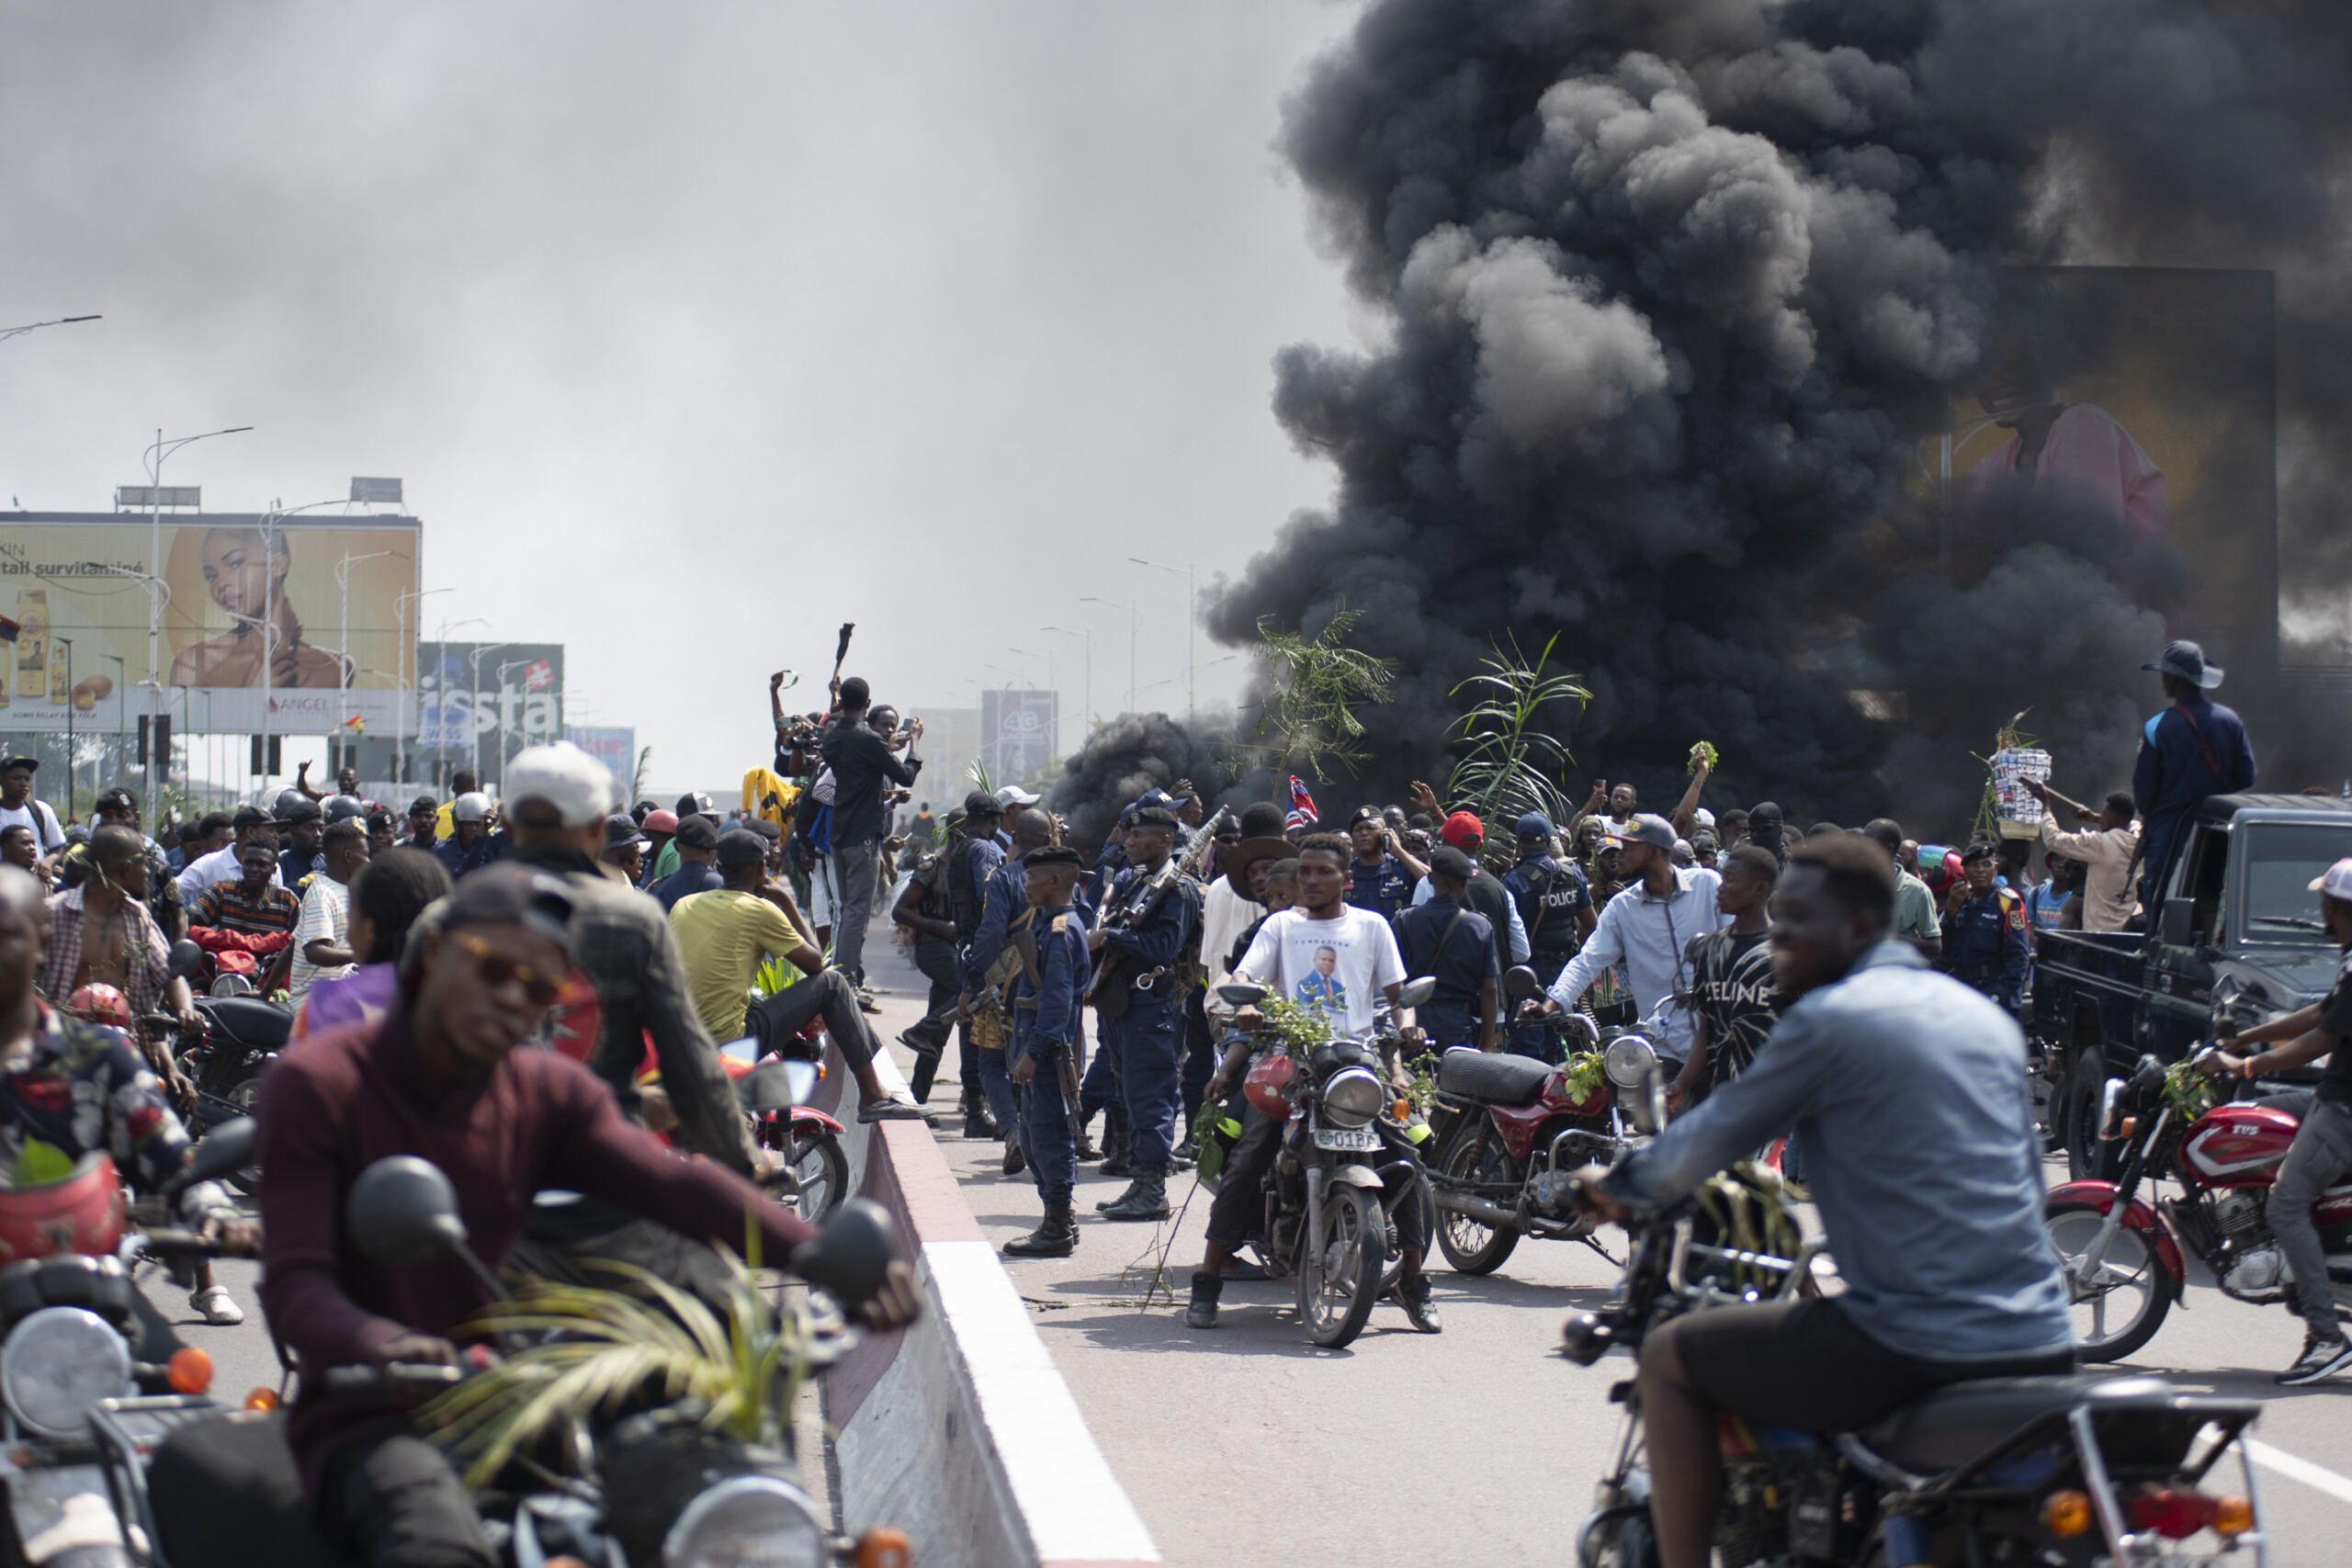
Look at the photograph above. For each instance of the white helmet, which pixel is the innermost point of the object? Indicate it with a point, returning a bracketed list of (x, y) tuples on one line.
[(471, 806)]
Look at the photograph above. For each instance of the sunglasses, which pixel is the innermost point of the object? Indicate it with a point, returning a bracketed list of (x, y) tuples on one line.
[(495, 969)]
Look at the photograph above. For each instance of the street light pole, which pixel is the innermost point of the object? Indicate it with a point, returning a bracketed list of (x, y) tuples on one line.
[(67, 644), (1127, 610), (440, 746), (1192, 600), (1087, 713), (474, 727), (8, 333), (152, 461), (407, 684)]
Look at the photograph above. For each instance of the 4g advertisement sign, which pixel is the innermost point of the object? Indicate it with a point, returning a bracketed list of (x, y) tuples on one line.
[(292, 626), (1016, 733)]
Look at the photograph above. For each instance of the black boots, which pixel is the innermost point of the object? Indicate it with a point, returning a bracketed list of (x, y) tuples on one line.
[(1056, 1237), (1087, 1152), (1207, 1288), (1115, 1149), (1014, 1161), (978, 1122), (1146, 1200)]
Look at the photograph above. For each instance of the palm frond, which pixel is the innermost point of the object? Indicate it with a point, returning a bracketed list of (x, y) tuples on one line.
[(1508, 765), (592, 1348)]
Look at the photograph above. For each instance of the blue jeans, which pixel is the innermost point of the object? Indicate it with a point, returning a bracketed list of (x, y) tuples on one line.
[(1044, 1132), (1149, 1043)]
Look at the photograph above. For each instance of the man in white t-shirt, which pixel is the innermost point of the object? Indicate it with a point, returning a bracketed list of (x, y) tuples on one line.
[(19, 809), (225, 865), (1331, 956), (323, 939)]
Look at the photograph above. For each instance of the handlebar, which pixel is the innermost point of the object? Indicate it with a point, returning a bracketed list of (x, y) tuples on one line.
[(353, 1382)]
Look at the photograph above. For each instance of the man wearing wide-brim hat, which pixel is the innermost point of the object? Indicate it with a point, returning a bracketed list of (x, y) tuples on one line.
[(2192, 749)]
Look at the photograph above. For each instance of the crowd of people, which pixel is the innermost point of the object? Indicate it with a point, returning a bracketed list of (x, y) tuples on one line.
[(420, 946)]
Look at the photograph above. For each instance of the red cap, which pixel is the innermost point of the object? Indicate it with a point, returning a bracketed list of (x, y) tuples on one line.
[(1462, 830), (661, 821)]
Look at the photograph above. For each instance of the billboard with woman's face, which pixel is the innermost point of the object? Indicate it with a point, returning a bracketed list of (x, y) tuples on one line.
[(294, 625)]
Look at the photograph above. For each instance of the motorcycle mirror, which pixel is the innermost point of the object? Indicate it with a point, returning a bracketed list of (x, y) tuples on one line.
[(1416, 992), (744, 1050), (185, 959), (402, 1209), (1521, 983), (2147, 1074), (1240, 994), (229, 1146), (852, 1253), (776, 1086)]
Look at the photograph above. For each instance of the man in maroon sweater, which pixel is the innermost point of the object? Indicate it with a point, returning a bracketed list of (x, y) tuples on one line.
[(440, 1076)]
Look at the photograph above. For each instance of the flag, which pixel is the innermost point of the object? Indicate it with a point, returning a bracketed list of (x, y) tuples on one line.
[(1302, 804), (356, 725)]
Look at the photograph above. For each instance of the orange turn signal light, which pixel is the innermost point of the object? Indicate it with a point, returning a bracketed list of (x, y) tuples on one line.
[(2067, 1513), (262, 1399), (189, 1370), (884, 1546), (2233, 1515), (1403, 1110), (2130, 1129)]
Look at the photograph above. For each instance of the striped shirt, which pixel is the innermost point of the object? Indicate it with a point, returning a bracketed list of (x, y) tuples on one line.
[(225, 906)]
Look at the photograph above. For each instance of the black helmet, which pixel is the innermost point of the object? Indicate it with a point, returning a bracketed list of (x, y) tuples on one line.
[(343, 807), (287, 799)]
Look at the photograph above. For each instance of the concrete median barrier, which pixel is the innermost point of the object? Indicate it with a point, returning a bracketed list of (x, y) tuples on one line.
[(960, 1430)]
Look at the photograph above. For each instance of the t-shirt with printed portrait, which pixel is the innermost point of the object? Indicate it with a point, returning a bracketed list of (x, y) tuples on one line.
[(1340, 967)]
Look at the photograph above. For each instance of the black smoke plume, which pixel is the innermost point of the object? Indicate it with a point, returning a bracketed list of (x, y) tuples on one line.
[(1669, 292), (1138, 751)]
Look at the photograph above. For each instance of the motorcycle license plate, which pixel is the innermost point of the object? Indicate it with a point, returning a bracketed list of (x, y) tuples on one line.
[(1357, 1140)]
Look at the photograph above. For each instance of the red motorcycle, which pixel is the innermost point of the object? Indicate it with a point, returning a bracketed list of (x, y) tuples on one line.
[(1510, 1133), (2124, 1257)]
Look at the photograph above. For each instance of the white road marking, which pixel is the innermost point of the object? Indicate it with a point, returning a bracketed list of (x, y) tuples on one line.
[(2295, 1468)]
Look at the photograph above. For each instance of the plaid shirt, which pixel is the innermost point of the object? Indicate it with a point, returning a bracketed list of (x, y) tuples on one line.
[(147, 965), (224, 906)]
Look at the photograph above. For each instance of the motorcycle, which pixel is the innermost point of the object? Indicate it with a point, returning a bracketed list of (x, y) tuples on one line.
[(84, 1358), (1346, 1161), (2066, 1470), (1510, 1132), (2124, 1257), (813, 1174), (649, 1482)]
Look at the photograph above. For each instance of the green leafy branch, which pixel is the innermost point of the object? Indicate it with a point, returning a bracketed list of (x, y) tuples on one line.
[(1319, 682), (1512, 767)]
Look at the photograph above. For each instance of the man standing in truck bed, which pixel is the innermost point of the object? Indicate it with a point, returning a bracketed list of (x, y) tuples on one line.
[(2194, 748)]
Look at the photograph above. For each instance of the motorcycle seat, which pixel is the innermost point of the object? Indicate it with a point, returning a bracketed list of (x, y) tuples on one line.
[(1946, 1428), (252, 1022), (1494, 1080), (226, 1494)]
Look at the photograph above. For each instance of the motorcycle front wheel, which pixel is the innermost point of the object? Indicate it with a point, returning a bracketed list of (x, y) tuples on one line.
[(1339, 1274), (2125, 1305), (1472, 1246), (814, 1157)]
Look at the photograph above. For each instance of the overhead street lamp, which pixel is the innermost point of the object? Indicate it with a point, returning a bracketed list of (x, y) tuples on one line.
[(1192, 599), (440, 746), (152, 461), (1127, 610), (8, 333), (343, 654), (474, 727), (71, 770), (407, 686)]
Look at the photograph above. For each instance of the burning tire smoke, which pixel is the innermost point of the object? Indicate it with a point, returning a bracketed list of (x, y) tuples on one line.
[(1671, 293)]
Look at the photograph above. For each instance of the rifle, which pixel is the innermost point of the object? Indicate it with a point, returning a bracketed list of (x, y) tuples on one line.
[(1144, 902)]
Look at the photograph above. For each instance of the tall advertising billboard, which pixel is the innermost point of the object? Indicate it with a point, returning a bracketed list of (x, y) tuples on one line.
[(616, 748), (291, 626), (1016, 733), (485, 700)]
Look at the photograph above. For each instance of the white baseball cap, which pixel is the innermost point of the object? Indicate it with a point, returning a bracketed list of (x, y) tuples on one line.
[(1013, 794), (2335, 881), (563, 776)]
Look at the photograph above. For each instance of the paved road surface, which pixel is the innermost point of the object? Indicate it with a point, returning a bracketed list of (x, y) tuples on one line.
[(1245, 1442)]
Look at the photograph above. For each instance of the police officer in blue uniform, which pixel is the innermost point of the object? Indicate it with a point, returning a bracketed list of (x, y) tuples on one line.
[(1142, 1029), (1456, 944), (1005, 913), (1554, 904), (1985, 926), (1047, 992), (2194, 748), (972, 860), (1382, 876)]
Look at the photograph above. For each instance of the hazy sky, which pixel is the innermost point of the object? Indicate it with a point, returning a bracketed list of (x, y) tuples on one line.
[(693, 329)]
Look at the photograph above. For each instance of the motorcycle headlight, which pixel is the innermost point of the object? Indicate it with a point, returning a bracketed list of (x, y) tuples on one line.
[(751, 1521), (1353, 1098), (1628, 1061), (58, 1362)]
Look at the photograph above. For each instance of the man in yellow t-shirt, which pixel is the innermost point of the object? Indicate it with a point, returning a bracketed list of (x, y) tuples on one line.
[(725, 935)]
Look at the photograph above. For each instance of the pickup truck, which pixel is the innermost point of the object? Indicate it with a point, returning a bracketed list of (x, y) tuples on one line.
[(2236, 938)]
